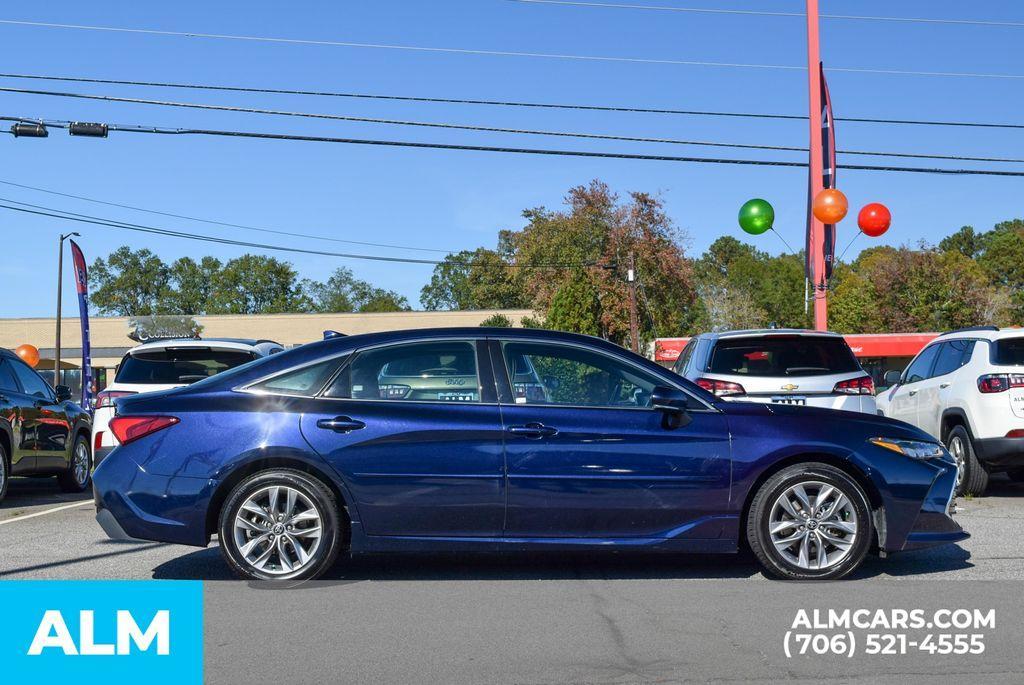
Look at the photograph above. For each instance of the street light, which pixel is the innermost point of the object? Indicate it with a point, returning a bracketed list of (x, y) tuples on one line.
[(60, 283)]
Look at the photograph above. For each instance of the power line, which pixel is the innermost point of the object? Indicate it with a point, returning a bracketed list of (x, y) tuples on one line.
[(29, 208), (762, 13), (498, 103), (499, 53), (218, 223), (495, 129), (516, 150)]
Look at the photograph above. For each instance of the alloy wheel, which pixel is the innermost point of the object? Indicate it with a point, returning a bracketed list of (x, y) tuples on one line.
[(813, 525), (959, 452), (80, 463), (277, 530)]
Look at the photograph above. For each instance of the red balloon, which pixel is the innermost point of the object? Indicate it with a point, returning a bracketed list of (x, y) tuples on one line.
[(874, 219)]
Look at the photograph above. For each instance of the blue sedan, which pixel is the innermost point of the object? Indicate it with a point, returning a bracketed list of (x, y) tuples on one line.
[(509, 439)]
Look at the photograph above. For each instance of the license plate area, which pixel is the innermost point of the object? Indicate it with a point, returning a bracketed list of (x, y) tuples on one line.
[(789, 399), (456, 397)]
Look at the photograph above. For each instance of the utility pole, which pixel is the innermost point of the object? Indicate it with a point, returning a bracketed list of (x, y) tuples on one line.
[(816, 237), (60, 283), (634, 328)]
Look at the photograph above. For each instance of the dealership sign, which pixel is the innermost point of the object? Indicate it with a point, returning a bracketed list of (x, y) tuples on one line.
[(101, 631)]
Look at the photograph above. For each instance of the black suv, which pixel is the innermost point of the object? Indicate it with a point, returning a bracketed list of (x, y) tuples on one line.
[(42, 432)]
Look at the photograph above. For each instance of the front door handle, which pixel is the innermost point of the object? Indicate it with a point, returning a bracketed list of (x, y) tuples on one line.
[(533, 430), (912, 393), (944, 386), (340, 424)]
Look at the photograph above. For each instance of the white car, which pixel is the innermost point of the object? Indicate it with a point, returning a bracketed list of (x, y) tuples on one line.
[(966, 388), (779, 366), (167, 364)]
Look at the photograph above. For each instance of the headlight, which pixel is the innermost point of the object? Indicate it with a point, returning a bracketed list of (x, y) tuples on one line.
[(915, 449)]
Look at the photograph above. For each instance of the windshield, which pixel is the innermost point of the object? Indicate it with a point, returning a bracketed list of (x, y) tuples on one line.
[(1009, 352), (178, 366), (782, 356)]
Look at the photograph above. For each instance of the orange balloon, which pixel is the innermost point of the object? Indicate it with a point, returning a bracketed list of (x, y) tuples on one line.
[(830, 206), (29, 354)]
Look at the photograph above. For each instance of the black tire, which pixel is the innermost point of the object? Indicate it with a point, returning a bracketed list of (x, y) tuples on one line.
[(974, 477), (319, 496), (5, 471), (775, 563), (75, 479)]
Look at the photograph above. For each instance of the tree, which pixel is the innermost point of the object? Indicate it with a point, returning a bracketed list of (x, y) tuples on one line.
[(496, 321), (128, 283), (473, 279), (191, 285), (965, 241), (255, 284), (343, 292)]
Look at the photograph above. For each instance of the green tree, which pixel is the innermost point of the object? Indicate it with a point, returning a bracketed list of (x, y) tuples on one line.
[(255, 284), (128, 283), (496, 321), (343, 292), (965, 241), (473, 279), (575, 306), (190, 285)]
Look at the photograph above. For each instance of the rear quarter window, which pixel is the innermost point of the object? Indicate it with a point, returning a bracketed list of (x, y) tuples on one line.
[(1008, 352), (782, 356)]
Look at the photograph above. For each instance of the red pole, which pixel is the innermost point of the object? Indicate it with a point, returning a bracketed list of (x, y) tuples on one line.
[(816, 239)]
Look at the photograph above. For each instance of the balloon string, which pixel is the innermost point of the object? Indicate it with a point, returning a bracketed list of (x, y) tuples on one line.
[(849, 245), (779, 236)]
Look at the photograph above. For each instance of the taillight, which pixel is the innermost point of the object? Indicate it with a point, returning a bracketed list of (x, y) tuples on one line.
[(1016, 433), (105, 398), (128, 428), (393, 392), (1000, 382), (97, 442), (721, 388), (862, 385)]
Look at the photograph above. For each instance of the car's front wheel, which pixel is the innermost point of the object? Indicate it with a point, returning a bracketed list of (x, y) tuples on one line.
[(4, 465), (971, 476), (809, 522), (78, 475), (280, 525)]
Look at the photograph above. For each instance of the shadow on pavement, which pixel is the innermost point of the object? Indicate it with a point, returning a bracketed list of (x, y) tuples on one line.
[(119, 548), (30, 492), (207, 564)]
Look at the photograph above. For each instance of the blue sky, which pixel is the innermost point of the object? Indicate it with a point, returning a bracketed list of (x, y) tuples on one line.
[(459, 200)]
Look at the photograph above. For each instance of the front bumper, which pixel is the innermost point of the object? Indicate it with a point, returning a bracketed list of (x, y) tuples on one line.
[(134, 504), (934, 525), (1008, 452)]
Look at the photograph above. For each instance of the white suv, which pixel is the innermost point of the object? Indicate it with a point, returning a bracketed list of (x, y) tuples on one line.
[(167, 364), (779, 366), (967, 389)]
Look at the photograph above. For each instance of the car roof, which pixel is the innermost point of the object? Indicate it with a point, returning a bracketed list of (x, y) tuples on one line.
[(982, 333), (769, 332), (365, 339), (219, 343)]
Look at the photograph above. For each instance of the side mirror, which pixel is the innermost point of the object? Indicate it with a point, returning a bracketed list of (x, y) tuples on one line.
[(63, 393), (669, 400), (892, 378)]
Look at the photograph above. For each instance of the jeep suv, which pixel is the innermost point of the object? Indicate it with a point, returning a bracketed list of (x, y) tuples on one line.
[(967, 389)]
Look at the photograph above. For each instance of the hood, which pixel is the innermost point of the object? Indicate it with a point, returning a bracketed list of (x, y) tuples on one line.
[(880, 425)]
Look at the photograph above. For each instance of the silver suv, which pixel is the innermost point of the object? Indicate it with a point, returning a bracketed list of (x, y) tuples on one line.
[(779, 366)]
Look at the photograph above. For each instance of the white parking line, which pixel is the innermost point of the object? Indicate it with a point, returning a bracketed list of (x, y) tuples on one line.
[(44, 513)]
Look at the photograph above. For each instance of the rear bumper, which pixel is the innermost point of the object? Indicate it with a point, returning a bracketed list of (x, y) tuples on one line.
[(858, 403), (1000, 451), (100, 454), (134, 504)]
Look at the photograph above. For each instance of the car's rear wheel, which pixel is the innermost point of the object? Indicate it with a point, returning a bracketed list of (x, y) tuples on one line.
[(280, 525), (971, 477), (78, 475), (809, 521)]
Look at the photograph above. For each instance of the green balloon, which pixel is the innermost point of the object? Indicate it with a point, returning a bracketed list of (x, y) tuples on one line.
[(756, 216)]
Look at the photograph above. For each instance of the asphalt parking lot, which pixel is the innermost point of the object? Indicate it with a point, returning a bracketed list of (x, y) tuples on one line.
[(539, 618), (47, 534)]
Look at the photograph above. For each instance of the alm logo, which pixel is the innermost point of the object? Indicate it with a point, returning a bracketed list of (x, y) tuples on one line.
[(53, 633)]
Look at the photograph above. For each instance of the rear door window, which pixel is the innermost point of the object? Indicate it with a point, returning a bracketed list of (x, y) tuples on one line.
[(953, 355), (178, 366), (1008, 352), (7, 380), (31, 382), (782, 356)]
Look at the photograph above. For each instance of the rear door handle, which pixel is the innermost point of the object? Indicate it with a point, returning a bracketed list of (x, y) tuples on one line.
[(340, 424), (912, 393), (533, 430), (944, 385)]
